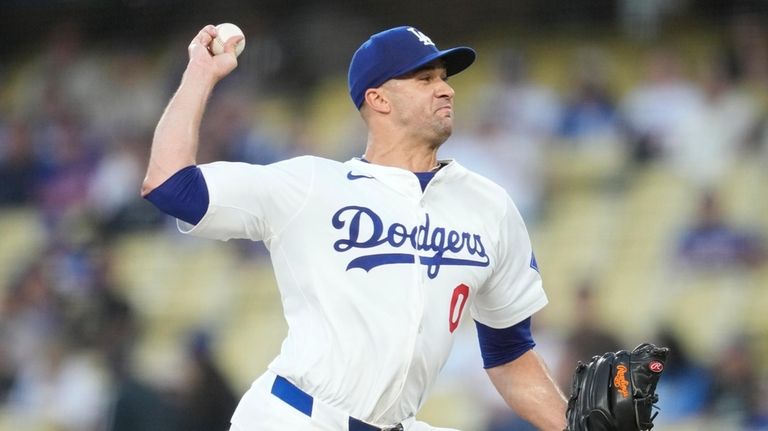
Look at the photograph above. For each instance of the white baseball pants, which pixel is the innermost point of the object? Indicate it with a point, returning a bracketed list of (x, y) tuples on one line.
[(260, 410)]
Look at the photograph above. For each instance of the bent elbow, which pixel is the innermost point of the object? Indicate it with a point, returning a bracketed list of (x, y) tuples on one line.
[(147, 186)]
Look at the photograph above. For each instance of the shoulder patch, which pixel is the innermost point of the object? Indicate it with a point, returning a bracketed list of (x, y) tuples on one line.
[(534, 264)]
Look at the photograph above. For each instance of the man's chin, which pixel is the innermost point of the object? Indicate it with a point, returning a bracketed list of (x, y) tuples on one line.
[(443, 134)]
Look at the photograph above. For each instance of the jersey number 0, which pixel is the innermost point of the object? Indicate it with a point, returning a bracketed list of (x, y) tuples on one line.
[(458, 300)]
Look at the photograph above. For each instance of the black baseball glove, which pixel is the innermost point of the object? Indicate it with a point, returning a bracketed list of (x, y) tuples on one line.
[(617, 391)]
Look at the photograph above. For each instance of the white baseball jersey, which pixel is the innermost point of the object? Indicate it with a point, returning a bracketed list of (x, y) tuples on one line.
[(375, 274)]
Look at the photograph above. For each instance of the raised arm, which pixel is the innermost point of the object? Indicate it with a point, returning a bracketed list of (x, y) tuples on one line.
[(530, 391), (174, 145)]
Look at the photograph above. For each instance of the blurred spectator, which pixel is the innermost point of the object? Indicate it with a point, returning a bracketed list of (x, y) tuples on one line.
[(30, 313), (713, 133), (68, 155), (657, 105), (516, 122), (513, 161), (208, 401), (138, 406), (643, 19), (135, 405), (63, 67), (525, 108), (63, 326), (745, 59), (112, 196), (7, 372), (230, 133), (19, 168), (23, 325), (590, 114), (735, 394), (57, 378), (63, 387), (745, 51), (684, 389), (591, 147), (711, 243), (759, 418), (587, 336), (131, 97)]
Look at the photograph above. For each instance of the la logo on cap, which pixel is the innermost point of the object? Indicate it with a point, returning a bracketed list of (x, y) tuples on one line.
[(396, 52), (422, 37)]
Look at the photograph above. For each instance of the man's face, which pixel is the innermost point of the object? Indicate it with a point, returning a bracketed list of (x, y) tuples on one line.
[(422, 102)]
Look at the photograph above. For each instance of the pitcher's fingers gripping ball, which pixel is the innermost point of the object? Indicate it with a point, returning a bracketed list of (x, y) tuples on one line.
[(617, 391), (224, 32)]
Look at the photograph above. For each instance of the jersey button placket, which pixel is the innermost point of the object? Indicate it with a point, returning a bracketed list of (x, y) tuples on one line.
[(422, 272), (416, 302), (423, 278)]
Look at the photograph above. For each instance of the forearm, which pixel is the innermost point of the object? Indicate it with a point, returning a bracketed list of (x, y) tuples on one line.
[(174, 145), (527, 387), (175, 142)]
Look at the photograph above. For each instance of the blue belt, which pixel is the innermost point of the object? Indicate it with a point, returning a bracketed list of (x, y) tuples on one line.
[(302, 401)]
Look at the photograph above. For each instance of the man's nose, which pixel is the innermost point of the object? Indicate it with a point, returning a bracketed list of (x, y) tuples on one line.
[(444, 90)]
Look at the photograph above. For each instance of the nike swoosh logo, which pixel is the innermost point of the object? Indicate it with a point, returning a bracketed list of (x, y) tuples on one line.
[(352, 177)]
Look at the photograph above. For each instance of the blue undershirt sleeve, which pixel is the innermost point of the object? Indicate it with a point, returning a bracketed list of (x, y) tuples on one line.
[(184, 195), (500, 346)]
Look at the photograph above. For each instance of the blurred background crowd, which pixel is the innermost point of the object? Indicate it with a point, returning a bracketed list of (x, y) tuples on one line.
[(632, 134)]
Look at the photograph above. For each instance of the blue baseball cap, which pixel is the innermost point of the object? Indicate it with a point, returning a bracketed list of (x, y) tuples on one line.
[(394, 53)]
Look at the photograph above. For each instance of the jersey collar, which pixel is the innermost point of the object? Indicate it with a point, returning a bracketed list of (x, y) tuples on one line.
[(450, 168), (402, 180)]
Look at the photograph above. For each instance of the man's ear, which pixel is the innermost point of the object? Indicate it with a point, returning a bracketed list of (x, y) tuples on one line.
[(377, 101)]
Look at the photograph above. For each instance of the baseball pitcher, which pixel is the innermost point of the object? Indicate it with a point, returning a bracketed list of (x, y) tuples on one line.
[(378, 259)]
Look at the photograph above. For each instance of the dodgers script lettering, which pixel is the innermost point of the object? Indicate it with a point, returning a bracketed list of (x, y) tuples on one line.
[(353, 220)]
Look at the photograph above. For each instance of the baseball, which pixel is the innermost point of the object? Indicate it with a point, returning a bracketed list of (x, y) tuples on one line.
[(223, 33)]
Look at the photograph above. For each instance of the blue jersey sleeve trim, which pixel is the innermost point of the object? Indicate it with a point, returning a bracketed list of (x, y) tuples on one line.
[(184, 195), (500, 346)]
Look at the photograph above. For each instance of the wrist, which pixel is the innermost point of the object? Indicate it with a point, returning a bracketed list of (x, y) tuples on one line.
[(199, 75)]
